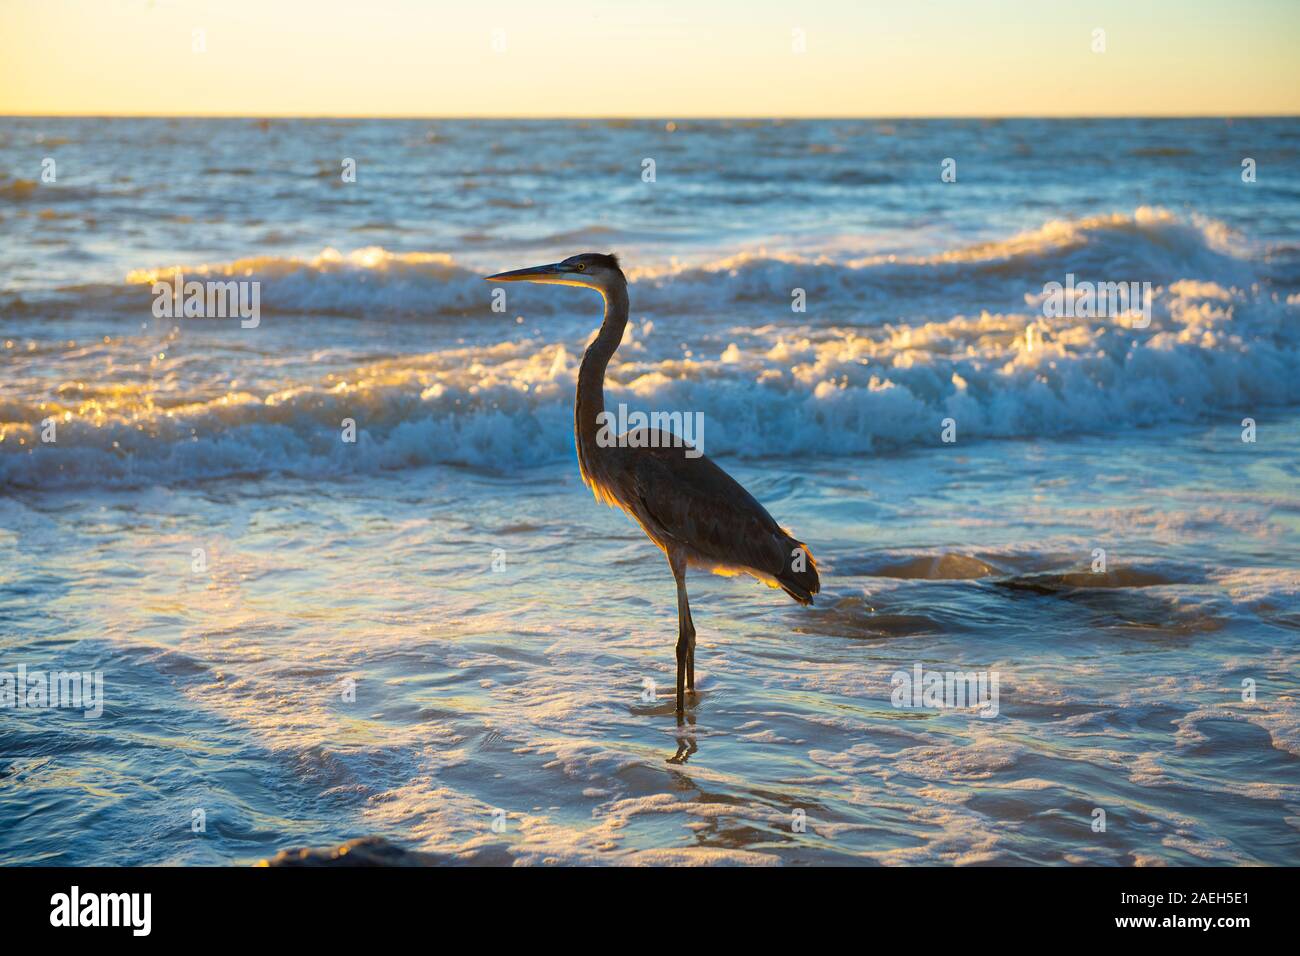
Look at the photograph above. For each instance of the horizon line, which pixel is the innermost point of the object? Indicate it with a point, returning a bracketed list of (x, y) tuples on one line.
[(653, 117)]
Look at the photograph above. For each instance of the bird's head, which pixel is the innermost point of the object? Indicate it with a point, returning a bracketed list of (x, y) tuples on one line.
[(591, 270)]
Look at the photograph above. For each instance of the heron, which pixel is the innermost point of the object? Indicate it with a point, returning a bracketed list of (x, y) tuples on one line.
[(697, 514)]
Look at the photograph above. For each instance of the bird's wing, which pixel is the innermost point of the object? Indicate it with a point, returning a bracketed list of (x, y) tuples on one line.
[(699, 506)]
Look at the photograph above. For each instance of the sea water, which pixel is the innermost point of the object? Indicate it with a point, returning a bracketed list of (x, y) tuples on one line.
[(339, 577)]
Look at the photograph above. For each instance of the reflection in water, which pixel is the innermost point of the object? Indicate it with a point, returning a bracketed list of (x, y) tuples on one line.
[(686, 745)]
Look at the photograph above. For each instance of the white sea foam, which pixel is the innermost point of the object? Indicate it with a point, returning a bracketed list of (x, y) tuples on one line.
[(838, 383), (1150, 244)]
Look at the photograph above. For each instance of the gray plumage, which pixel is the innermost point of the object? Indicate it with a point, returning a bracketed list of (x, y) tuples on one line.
[(693, 510)]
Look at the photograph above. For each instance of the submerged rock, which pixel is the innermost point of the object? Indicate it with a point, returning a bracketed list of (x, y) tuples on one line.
[(366, 851)]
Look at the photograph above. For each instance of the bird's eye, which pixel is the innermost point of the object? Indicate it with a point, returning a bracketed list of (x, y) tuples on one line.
[(582, 267)]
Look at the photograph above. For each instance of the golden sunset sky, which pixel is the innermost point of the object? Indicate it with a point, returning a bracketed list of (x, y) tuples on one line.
[(661, 59)]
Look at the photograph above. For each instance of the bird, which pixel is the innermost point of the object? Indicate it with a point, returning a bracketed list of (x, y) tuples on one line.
[(697, 514)]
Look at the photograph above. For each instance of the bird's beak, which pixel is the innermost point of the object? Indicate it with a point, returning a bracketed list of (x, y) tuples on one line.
[(551, 273)]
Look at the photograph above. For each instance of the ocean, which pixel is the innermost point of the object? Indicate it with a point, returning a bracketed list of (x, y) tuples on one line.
[(421, 626)]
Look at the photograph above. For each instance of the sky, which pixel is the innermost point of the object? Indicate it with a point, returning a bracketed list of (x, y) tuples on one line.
[(657, 58)]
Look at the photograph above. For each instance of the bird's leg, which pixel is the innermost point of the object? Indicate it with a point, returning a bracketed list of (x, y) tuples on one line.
[(685, 634), (690, 650)]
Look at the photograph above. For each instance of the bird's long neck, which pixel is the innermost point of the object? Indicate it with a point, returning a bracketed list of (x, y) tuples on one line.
[(590, 402)]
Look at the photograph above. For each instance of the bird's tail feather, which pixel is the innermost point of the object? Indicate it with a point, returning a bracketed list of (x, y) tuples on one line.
[(799, 578)]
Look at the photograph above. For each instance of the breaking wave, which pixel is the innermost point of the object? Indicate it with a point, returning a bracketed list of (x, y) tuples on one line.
[(873, 371)]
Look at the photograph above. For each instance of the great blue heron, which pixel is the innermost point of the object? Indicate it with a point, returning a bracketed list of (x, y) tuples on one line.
[(698, 514)]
